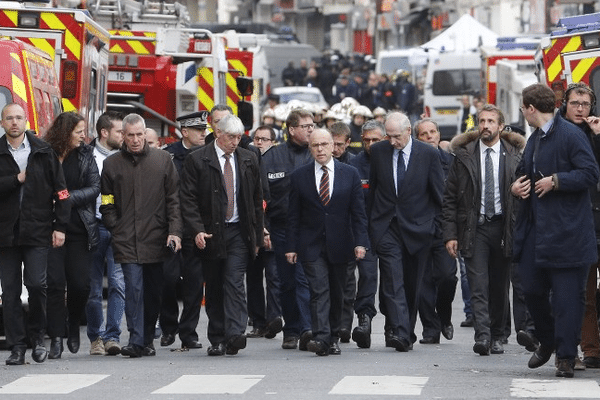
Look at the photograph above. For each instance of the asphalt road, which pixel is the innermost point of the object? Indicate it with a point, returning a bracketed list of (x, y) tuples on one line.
[(449, 370)]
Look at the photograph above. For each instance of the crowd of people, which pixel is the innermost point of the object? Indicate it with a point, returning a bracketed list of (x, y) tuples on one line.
[(326, 223)]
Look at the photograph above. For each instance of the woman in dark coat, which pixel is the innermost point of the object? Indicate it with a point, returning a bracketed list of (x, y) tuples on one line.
[(69, 265)]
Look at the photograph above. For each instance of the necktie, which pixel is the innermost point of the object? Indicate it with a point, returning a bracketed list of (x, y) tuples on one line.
[(400, 172), (228, 175), (324, 186), (489, 185)]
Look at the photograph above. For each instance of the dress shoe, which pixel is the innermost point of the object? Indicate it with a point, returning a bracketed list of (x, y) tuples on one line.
[(167, 339), (73, 341), (191, 344), (362, 333), (388, 338), (448, 332), (345, 335), (334, 349), (592, 362), (527, 340), (149, 350), (430, 340), (216, 350), (39, 352), (304, 339), (468, 322), (132, 351), (256, 332), (565, 368), (318, 347), (56, 348), (497, 347), (289, 343), (17, 356), (399, 344), (482, 347), (579, 364), (235, 344), (273, 327), (540, 356)]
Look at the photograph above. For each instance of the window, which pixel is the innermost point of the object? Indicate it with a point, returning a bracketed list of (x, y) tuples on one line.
[(455, 82)]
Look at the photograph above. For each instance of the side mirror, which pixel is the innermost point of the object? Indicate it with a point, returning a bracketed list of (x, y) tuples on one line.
[(246, 114), (244, 85)]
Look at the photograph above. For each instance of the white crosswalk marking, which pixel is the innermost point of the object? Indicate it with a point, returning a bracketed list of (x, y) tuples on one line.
[(380, 385), (210, 384), (51, 383), (563, 388)]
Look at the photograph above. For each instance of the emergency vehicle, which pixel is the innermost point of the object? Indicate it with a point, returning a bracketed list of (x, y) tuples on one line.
[(507, 48), (571, 54), (28, 78), (78, 47), (514, 76)]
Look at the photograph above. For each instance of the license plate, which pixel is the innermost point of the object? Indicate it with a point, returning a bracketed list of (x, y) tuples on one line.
[(120, 76)]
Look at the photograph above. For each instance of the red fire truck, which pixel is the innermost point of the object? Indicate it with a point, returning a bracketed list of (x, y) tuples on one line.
[(570, 54), (78, 47), (507, 48)]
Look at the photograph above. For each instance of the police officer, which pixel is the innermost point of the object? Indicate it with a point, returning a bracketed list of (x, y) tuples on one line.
[(184, 265)]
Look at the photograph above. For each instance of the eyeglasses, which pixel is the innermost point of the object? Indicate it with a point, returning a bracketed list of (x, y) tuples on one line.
[(577, 104), (306, 126), (261, 139)]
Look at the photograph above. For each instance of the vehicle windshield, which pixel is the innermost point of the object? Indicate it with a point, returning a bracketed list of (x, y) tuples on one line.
[(455, 82), (308, 97)]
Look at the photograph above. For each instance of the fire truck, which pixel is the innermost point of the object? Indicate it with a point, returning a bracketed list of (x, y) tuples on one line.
[(78, 47), (164, 69), (507, 48), (570, 54)]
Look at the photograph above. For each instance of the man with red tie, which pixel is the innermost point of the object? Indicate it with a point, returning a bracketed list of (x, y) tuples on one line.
[(327, 228)]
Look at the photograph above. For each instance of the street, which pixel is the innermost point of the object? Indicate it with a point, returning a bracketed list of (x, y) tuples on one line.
[(449, 370)]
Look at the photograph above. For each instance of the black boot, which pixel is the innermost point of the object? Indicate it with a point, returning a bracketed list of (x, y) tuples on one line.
[(362, 333), (73, 339), (56, 348)]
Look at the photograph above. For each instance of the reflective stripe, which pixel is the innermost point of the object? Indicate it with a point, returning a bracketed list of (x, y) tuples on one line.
[(108, 199)]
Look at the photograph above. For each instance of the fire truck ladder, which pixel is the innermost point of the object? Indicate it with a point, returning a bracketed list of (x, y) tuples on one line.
[(130, 14)]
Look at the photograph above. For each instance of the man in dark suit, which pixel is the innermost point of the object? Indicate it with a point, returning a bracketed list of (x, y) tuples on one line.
[(406, 184), (222, 195), (439, 283), (327, 228)]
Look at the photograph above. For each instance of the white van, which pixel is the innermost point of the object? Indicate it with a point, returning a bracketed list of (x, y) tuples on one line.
[(412, 60), (450, 75)]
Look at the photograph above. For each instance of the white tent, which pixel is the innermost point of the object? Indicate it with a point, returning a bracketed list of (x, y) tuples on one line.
[(464, 35)]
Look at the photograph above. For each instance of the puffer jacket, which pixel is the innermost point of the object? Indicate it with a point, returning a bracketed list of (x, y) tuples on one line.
[(462, 203)]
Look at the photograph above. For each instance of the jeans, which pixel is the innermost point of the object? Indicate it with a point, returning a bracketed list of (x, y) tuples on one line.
[(116, 292), (259, 311), (464, 287)]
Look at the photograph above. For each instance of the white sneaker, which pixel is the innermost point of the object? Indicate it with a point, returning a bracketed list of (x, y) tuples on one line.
[(97, 347)]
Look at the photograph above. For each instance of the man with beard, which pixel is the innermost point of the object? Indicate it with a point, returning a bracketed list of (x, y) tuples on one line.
[(105, 341), (483, 169)]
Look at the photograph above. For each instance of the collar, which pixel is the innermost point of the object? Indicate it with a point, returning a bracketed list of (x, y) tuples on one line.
[(219, 151), (483, 147), (330, 165), (546, 127), (24, 144), (408, 148)]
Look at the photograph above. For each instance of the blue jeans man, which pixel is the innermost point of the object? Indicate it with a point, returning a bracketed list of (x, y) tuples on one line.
[(116, 296)]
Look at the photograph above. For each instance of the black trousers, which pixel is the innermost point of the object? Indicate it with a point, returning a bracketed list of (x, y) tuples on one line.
[(438, 290), (225, 292), (326, 282), (184, 268), (488, 273), (400, 276), (34, 260), (260, 271), (68, 266)]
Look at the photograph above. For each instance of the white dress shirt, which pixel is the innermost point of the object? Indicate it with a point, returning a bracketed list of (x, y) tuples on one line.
[(406, 155), (319, 174), (220, 155), (495, 154)]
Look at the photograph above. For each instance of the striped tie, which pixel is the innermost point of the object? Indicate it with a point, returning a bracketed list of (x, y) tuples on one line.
[(324, 186)]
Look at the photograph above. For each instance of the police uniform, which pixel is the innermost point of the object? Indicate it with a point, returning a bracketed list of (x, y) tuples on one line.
[(184, 264)]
